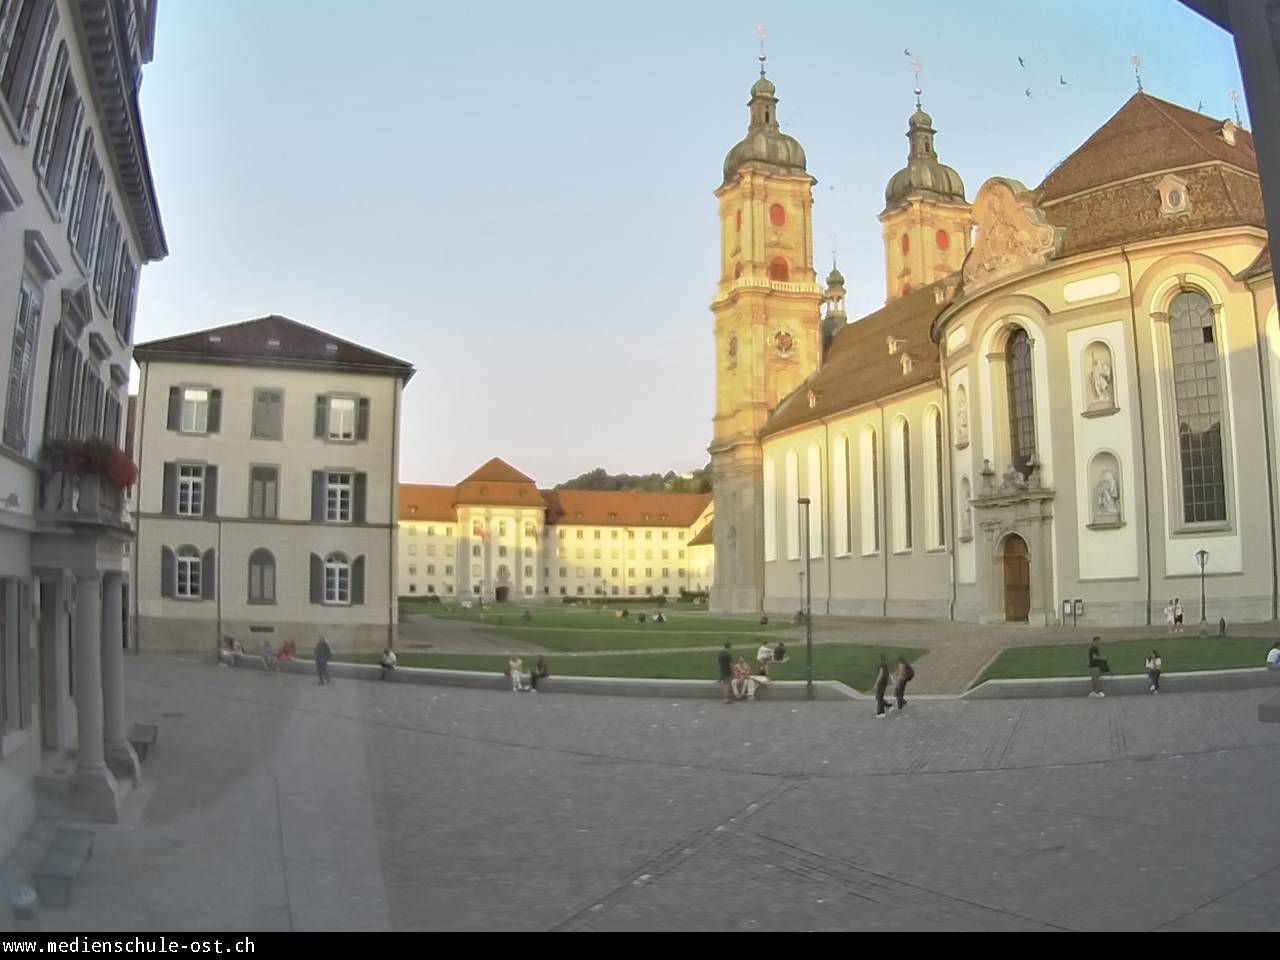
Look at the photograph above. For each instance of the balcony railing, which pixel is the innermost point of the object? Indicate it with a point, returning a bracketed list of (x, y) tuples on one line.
[(778, 286), (86, 499)]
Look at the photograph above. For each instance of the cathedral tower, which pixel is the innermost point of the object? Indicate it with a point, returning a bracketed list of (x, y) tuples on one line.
[(927, 221), (767, 331)]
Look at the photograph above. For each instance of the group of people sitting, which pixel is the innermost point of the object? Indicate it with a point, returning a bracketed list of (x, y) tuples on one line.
[(736, 679), (522, 682), (230, 652)]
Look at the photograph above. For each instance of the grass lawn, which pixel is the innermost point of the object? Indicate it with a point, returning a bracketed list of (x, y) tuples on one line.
[(655, 638), (853, 664), (687, 619), (1179, 655)]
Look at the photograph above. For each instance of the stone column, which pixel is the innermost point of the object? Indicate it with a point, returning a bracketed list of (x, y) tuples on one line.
[(95, 787), (119, 754)]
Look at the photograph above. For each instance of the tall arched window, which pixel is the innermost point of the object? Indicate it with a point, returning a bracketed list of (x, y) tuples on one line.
[(337, 578), (1022, 408), (1199, 407), (902, 520), (841, 530), (262, 577), (814, 478), (869, 484), (936, 513), (770, 511), (789, 508)]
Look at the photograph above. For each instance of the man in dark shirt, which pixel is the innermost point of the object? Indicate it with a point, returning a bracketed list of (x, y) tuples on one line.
[(726, 673)]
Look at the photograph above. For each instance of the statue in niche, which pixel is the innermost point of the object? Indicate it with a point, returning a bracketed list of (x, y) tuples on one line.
[(1100, 377), (1106, 497), (966, 523), (1012, 481), (733, 351), (962, 420)]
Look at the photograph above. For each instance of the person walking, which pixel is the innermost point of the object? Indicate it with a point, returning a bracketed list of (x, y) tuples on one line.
[(1155, 666), (1168, 616), (725, 660), (1097, 667), (540, 672), (882, 682), (905, 674), (323, 654), (1177, 615), (388, 663)]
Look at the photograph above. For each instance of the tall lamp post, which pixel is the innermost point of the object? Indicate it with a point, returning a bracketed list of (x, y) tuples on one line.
[(808, 600), (1202, 558)]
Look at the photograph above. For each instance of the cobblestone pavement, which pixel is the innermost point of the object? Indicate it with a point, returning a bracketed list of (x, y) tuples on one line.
[(278, 804)]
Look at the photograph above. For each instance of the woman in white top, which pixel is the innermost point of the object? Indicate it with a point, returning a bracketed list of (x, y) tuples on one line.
[(764, 657), (1168, 616), (1154, 667)]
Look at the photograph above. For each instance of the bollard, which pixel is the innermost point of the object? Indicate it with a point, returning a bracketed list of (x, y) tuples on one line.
[(22, 901), (1222, 626)]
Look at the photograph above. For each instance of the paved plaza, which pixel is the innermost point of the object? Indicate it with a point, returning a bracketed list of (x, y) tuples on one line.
[(276, 804)]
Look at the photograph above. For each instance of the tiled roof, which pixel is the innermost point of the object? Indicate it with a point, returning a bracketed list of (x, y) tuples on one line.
[(632, 508), (859, 369), (271, 340), (427, 501), (706, 536), (1260, 267), (1147, 135), (498, 470)]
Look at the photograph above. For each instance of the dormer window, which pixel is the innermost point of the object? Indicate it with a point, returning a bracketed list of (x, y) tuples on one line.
[(907, 364), (894, 344), (1174, 200), (1228, 132)]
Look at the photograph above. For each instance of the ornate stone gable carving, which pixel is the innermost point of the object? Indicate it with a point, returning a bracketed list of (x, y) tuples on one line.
[(1013, 234)]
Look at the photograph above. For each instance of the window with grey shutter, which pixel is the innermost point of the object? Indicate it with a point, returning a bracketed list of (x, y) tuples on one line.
[(357, 580), (17, 411), (317, 496), (262, 576), (175, 408), (169, 505), (322, 416), (168, 571), (317, 578), (360, 495), (208, 584), (210, 491), (268, 415), (263, 496), (214, 423), (362, 419)]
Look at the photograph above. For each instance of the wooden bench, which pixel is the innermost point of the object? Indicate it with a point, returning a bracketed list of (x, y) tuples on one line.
[(142, 737), (70, 850)]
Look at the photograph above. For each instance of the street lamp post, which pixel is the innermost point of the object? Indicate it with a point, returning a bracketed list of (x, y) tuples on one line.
[(808, 600), (1202, 558)]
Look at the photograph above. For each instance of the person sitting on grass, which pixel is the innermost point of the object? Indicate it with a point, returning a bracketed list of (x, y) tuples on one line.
[(1273, 656), (780, 653), (764, 657)]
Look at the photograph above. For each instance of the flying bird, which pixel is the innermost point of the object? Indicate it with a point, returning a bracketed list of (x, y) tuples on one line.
[(1028, 93), (1062, 80), (1022, 63)]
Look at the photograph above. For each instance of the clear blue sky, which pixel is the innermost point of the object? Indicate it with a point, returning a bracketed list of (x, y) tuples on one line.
[(517, 198)]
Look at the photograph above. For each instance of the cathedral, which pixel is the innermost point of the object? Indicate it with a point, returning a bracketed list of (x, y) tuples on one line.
[(1066, 410)]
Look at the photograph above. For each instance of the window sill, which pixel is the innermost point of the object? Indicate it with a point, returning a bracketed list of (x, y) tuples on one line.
[(1105, 525), (259, 437), (966, 538), (941, 549), (335, 603), (904, 553), (9, 121), (868, 556), (261, 603), (1197, 529), (1099, 412)]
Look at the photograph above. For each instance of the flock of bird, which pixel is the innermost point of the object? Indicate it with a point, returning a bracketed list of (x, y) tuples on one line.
[(1062, 80)]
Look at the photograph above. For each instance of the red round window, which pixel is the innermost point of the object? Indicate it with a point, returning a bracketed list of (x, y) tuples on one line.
[(777, 216), (906, 244), (944, 240)]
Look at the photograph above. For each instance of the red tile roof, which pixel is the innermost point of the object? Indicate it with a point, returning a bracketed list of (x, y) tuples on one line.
[(630, 508), (427, 501), (498, 470), (1147, 135)]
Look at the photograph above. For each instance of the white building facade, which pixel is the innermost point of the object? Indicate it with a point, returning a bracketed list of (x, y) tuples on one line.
[(78, 217), (268, 454)]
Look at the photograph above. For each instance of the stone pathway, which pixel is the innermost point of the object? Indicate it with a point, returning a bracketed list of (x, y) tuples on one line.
[(277, 804)]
